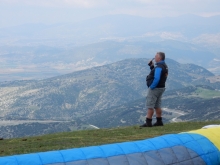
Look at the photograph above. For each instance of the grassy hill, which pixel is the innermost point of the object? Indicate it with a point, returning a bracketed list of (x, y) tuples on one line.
[(92, 137)]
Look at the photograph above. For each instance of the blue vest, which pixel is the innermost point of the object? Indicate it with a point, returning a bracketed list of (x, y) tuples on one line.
[(163, 77)]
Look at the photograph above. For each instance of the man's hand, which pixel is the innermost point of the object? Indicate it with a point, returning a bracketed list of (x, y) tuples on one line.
[(151, 63)]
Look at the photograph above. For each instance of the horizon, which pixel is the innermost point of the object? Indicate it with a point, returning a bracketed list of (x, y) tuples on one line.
[(101, 16)]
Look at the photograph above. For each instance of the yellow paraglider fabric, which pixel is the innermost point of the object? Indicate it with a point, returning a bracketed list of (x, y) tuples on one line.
[(213, 134)]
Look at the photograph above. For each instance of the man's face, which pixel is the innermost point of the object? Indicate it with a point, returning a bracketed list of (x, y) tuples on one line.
[(157, 58)]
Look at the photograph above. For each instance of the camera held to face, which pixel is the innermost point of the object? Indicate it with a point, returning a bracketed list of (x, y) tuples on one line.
[(151, 62)]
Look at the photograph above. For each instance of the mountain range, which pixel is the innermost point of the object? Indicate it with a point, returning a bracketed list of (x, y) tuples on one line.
[(79, 93), (112, 26), (38, 51), (106, 96)]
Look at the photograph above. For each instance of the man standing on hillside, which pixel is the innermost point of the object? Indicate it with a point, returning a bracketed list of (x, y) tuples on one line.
[(156, 86)]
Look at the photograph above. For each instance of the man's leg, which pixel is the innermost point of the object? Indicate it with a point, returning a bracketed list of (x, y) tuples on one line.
[(158, 109), (150, 113), (150, 103), (158, 112), (159, 121)]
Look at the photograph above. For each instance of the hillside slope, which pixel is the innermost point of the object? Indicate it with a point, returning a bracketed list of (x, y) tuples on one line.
[(194, 103), (74, 95)]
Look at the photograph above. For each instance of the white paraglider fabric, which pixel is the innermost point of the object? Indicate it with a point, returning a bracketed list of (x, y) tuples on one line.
[(210, 126)]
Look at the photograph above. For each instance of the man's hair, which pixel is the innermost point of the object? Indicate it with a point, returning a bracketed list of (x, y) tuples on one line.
[(162, 55)]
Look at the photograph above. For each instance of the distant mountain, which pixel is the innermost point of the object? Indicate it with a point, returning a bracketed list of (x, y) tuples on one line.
[(180, 51), (37, 51), (112, 26), (40, 62), (75, 95)]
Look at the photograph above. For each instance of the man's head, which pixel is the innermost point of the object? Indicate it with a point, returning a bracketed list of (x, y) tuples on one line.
[(160, 56)]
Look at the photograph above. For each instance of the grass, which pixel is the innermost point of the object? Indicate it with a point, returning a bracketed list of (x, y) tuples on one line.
[(206, 93), (92, 137)]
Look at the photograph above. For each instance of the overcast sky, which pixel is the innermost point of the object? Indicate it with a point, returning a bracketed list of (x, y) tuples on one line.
[(16, 12)]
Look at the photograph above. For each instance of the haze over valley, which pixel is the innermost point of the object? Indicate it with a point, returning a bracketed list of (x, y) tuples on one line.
[(38, 51)]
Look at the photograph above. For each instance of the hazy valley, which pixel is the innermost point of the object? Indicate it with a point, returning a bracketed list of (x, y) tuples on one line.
[(38, 51)]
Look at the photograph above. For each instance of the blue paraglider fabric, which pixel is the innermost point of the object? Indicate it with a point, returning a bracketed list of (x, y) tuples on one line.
[(173, 149)]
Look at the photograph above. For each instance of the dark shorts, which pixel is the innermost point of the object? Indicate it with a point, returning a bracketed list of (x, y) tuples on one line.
[(154, 97)]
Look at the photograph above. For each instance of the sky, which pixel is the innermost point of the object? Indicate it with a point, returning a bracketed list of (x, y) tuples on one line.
[(17, 12)]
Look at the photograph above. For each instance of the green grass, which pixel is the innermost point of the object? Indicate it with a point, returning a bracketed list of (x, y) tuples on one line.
[(92, 137), (207, 94)]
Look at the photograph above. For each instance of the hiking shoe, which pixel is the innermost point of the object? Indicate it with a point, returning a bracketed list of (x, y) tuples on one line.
[(158, 123), (145, 125)]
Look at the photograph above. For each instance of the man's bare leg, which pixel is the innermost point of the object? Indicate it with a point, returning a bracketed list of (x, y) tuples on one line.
[(158, 112), (159, 117), (150, 113)]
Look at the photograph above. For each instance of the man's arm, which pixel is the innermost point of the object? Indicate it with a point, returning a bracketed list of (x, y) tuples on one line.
[(157, 75)]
